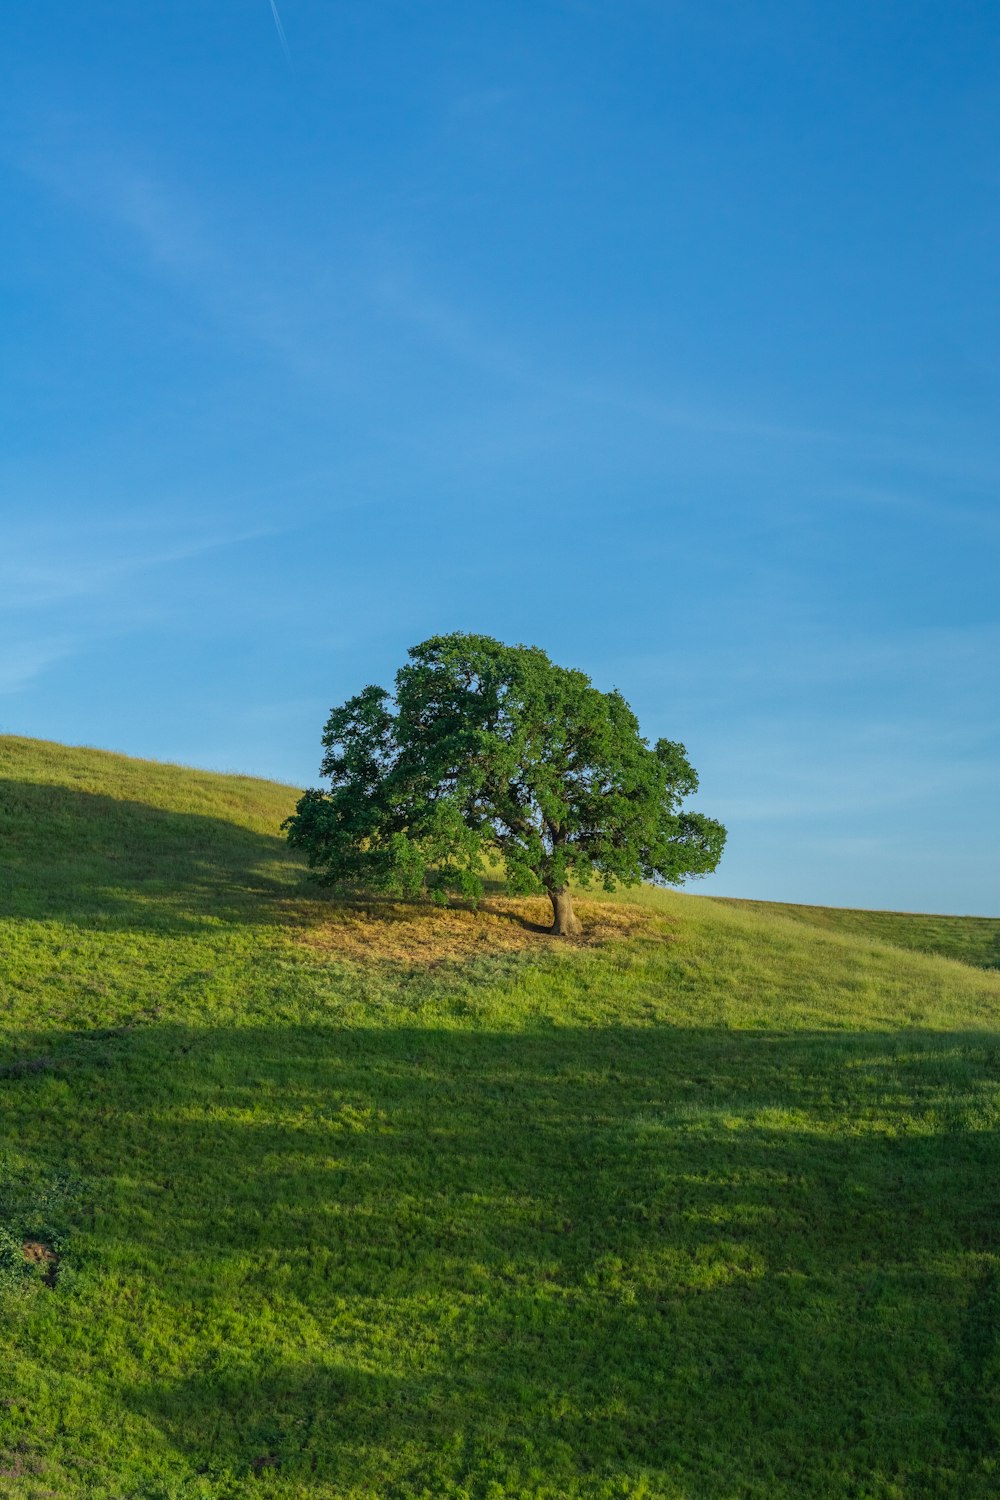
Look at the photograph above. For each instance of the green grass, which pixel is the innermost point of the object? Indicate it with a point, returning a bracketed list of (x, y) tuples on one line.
[(972, 940), (708, 1213)]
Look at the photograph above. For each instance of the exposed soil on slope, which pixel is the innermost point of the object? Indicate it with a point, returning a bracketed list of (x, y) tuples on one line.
[(37, 1253)]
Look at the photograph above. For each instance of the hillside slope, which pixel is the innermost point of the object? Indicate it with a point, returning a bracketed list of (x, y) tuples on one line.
[(972, 940), (705, 1211)]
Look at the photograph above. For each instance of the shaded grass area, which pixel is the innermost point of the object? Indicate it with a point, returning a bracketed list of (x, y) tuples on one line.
[(972, 940), (707, 1212), (414, 1260), (101, 841)]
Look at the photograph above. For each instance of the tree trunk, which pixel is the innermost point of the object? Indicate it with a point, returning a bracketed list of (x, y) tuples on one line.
[(564, 919)]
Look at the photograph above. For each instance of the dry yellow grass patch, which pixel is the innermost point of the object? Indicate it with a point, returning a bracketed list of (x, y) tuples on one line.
[(413, 934)]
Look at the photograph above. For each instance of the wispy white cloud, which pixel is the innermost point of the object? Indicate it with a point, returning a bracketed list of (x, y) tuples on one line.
[(21, 662), (165, 229), (399, 291), (264, 291), (281, 33), (811, 782), (70, 598), (949, 515), (36, 575), (325, 325), (807, 653), (102, 180), (815, 727)]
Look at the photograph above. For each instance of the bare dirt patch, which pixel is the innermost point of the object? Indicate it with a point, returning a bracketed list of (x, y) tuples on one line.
[(37, 1253), (419, 934)]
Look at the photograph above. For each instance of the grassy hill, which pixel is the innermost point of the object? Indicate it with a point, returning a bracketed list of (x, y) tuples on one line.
[(972, 940), (305, 1202)]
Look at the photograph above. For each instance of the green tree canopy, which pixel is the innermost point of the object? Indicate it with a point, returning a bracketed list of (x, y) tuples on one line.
[(489, 752)]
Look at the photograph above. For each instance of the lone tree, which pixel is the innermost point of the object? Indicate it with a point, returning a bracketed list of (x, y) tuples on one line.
[(491, 752)]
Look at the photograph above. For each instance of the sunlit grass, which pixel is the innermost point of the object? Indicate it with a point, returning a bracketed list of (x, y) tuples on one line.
[(705, 1211), (972, 940)]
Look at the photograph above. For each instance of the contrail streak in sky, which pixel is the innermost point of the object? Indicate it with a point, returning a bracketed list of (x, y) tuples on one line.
[(281, 34)]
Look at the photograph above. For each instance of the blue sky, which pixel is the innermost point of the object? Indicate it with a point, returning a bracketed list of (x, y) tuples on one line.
[(663, 336)]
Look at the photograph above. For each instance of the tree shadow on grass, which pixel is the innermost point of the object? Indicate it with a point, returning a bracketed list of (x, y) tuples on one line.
[(106, 862), (416, 1261)]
